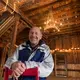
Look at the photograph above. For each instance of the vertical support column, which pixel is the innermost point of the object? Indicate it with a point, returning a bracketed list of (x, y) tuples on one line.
[(55, 71), (14, 34)]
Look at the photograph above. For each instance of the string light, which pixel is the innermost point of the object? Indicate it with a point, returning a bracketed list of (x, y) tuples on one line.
[(51, 22), (61, 24), (64, 50), (6, 4), (4, 8), (14, 6), (40, 27)]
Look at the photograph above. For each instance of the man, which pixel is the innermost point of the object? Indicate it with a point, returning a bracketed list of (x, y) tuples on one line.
[(33, 53)]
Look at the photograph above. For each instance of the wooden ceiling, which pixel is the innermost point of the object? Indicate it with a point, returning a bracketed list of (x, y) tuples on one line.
[(54, 17)]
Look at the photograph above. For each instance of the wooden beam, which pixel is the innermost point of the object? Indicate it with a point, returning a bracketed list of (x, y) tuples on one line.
[(18, 13), (13, 41), (6, 25), (30, 5), (47, 8), (64, 32)]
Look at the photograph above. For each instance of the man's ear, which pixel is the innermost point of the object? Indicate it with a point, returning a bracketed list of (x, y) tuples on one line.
[(41, 36)]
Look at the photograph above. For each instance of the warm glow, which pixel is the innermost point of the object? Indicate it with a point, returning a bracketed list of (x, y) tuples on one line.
[(78, 48), (61, 24), (7, 1), (50, 22), (58, 30), (65, 50), (20, 2), (40, 27), (14, 6)]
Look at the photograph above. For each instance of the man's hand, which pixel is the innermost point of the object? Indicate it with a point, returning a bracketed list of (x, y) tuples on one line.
[(18, 68)]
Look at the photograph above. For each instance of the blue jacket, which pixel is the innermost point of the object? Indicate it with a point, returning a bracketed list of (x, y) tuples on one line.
[(38, 57)]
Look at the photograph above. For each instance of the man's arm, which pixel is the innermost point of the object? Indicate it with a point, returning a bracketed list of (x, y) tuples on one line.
[(12, 59), (17, 66), (45, 67)]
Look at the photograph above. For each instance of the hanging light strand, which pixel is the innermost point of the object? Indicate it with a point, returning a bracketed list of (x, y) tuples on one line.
[(64, 50), (7, 1)]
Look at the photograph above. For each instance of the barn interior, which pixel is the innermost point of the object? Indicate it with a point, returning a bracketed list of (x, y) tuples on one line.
[(59, 21)]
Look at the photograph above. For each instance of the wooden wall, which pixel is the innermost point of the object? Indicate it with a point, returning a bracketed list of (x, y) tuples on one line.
[(66, 41), (68, 44)]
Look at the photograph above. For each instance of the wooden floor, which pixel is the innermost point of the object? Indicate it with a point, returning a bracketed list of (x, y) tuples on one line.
[(52, 77), (57, 78)]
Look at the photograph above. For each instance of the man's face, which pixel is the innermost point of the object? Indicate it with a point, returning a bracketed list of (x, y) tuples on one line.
[(35, 35)]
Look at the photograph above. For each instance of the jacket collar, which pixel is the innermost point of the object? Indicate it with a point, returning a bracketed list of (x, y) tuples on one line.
[(28, 44)]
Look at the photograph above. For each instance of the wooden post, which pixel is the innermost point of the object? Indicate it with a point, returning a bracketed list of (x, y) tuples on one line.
[(55, 72), (14, 34), (4, 52)]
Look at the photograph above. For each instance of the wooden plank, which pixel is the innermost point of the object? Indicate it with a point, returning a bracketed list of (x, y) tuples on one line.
[(13, 41), (32, 5)]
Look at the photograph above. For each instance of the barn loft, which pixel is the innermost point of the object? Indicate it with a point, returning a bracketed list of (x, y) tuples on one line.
[(59, 21)]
